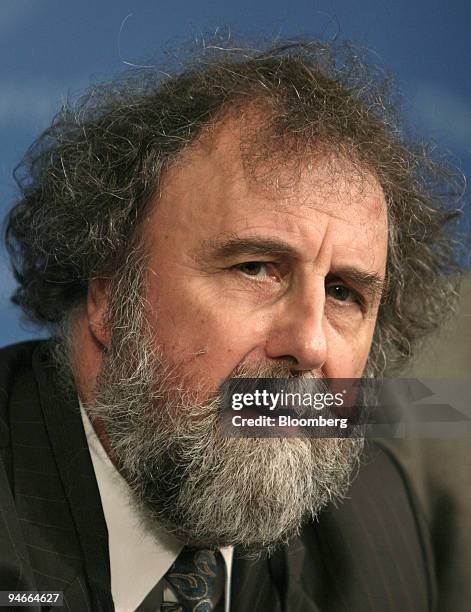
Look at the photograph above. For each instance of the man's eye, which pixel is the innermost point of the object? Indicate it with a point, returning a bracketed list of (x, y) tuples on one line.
[(253, 268), (342, 293)]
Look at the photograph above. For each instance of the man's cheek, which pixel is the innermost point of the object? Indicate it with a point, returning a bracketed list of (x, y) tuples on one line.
[(359, 358)]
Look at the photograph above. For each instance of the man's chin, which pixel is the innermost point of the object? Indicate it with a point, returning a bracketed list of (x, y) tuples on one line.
[(254, 494), (247, 546)]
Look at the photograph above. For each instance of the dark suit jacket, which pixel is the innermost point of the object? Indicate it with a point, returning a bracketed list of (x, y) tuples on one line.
[(371, 554)]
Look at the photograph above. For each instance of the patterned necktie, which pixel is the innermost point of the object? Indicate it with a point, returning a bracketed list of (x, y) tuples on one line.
[(193, 578)]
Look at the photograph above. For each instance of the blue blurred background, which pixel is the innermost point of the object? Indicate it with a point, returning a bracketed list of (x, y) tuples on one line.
[(51, 49)]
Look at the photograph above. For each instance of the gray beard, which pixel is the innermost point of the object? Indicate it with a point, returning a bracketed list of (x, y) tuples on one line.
[(209, 490)]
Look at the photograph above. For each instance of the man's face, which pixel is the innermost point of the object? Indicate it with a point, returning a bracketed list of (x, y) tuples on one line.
[(241, 279), (242, 275)]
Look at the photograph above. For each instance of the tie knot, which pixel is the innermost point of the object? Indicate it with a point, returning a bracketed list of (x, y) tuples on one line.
[(195, 577)]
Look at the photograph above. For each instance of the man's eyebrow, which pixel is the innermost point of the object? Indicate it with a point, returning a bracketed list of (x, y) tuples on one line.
[(234, 246), (372, 283), (226, 247)]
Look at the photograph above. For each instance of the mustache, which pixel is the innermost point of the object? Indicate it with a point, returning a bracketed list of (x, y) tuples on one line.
[(278, 376), (278, 369)]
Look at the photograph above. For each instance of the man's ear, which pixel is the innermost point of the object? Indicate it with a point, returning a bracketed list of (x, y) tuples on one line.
[(97, 309)]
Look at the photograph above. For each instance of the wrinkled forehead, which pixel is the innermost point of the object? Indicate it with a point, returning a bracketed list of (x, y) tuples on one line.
[(241, 158)]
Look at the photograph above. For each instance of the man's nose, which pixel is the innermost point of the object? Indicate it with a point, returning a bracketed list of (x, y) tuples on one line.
[(298, 332)]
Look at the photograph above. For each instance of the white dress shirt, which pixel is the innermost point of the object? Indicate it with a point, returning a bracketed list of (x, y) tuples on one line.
[(139, 557)]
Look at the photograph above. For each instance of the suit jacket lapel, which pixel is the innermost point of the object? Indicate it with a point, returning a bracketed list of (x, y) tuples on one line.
[(252, 587), (40, 495), (82, 505), (299, 599), (271, 583)]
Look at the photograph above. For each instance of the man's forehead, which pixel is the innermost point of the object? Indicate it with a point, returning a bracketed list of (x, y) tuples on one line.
[(221, 162), (209, 195)]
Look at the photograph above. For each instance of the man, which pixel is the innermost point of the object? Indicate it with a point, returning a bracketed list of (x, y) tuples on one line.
[(257, 215)]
